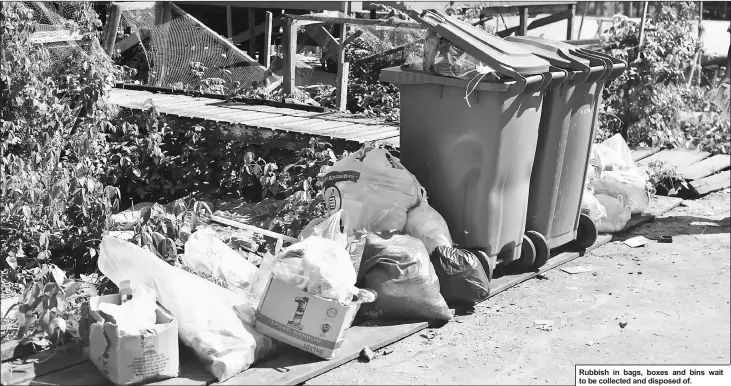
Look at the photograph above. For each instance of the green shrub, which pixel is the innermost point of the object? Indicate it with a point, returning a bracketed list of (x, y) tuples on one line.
[(54, 149), (646, 102)]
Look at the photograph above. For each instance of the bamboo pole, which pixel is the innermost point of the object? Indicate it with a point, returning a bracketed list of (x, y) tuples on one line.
[(229, 22), (642, 25)]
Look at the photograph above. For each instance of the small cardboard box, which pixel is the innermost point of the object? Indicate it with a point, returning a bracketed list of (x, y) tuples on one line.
[(147, 356), (303, 320)]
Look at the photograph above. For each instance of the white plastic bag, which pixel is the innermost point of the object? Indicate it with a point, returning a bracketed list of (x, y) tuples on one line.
[(206, 253), (319, 266), (613, 154), (427, 225), (332, 227), (136, 314), (630, 184), (591, 207), (373, 188), (215, 322), (261, 277), (618, 213)]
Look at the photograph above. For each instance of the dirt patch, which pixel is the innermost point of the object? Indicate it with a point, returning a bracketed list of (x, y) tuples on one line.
[(657, 304)]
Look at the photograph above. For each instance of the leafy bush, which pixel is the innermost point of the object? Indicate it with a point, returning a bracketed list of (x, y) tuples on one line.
[(646, 102), (54, 150)]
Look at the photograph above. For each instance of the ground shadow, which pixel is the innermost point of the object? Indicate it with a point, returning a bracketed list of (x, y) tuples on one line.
[(678, 226)]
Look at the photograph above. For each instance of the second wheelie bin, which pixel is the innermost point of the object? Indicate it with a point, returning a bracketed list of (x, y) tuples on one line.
[(566, 133), (472, 144)]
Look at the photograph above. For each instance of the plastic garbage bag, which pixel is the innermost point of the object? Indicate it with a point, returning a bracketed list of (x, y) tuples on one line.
[(618, 213), (427, 225), (630, 184), (332, 227), (355, 247), (215, 322), (373, 188), (136, 314), (591, 207), (613, 154), (318, 266), (206, 253), (462, 279), (397, 267)]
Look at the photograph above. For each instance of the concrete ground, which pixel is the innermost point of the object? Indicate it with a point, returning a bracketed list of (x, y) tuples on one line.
[(674, 299)]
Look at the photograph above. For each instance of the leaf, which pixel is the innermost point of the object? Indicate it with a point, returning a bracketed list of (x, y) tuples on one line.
[(72, 289), (27, 212), (45, 322), (59, 276), (248, 157), (145, 214), (43, 255)]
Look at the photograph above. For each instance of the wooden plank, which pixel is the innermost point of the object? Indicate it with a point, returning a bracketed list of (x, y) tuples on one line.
[(322, 36), (705, 168), (131, 40), (85, 373), (676, 157), (659, 205), (252, 33), (269, 109), (267, 49), (643, 152), (711, 184), (523, 26), (350, 20), (380, 136), (229, 22), (299, 366), (371, 132), (341, 93), (500, 284), (273, 122), (321, 126), (24, 370), (570, 22), (289, 44), (240, 116), (260, 29)]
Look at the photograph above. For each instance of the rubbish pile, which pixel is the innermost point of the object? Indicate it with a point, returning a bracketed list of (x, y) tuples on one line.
[(381, 253), (615, 187)]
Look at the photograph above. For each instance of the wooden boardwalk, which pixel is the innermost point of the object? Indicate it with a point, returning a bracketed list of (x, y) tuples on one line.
[(327, 125), (704, 175)]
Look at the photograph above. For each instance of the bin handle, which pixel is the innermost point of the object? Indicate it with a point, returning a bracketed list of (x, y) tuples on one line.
[(618, 65), (558, 79), (596, 61)]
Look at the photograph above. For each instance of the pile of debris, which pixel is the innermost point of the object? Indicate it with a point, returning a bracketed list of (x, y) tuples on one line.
[(382, 253)]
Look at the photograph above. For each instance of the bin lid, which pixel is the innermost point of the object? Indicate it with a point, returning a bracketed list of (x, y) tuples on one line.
[(557, 53), (504, 57)]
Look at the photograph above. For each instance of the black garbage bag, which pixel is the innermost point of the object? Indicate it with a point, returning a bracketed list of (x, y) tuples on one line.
[(397, 267), (462, 278)]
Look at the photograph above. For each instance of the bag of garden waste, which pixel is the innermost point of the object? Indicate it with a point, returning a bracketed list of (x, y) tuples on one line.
[(427, 225), (373, 188), (205, 252), (618, 213), (462, 279), (398, 268), (215, 322)]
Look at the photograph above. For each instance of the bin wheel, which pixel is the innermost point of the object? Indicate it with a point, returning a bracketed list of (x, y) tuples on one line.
[(543, 251), (587, 232), (527, 256)]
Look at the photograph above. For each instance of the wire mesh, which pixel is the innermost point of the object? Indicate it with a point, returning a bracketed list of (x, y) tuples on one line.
[(182, 53)]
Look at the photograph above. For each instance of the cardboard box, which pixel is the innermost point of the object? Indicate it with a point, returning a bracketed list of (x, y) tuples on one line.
[(147, 356), (303, 320)]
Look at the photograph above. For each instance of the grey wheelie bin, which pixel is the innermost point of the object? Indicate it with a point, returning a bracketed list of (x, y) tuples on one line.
[(475, 160), (566, 133)]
